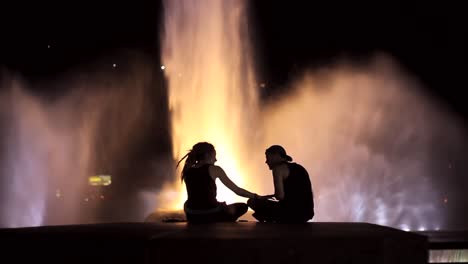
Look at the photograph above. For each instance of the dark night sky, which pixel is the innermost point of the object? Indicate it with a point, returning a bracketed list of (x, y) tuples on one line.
[(427, 40), (44, 40)]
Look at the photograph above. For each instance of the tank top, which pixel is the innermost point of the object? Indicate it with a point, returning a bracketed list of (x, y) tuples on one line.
[(298, 195), (201, 188)]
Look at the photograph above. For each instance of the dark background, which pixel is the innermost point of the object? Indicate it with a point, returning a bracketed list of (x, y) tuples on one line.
[(43, 41), (426, 40)]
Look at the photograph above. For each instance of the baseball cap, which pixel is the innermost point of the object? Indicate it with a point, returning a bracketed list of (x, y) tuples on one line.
[(280, 150)]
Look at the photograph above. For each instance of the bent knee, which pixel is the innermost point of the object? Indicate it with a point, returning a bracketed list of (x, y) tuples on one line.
[(250, 202), (243, 208), (239, 208)]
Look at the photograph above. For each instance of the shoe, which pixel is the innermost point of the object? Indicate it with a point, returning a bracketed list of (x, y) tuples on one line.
[(262, 218)]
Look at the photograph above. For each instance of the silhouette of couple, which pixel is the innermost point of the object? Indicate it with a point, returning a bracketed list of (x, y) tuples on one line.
[(293, 192)]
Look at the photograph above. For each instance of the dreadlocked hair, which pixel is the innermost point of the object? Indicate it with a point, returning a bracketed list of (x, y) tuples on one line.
[(194, 156)]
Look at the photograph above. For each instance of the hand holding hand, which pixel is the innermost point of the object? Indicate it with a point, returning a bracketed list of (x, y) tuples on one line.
[(263, 197)]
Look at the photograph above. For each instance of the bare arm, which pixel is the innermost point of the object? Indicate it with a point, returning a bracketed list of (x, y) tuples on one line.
[(269, 196), (279, 174), (218, 172)]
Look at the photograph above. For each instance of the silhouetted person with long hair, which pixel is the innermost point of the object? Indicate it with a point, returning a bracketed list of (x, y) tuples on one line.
[(199, 174), (293, 191)]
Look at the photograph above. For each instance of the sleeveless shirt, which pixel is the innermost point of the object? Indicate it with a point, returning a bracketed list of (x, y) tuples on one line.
[(298, 195), (201, 188)]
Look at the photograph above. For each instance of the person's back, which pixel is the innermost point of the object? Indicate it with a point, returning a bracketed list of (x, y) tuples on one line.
[(201, 188), (298, 196), (293, 191), (199, 174)]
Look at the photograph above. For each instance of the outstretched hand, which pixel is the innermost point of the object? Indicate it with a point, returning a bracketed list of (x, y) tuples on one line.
[(264, 197)]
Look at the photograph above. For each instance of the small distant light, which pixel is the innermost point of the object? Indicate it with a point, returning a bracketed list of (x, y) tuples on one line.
[(163, 67), (48, 46), (445, 200), (114, 65), (422, 228), (102, 196), (100, 180), (180, 75), (263, 85), (437, 228), (58, 194), (86, 199)]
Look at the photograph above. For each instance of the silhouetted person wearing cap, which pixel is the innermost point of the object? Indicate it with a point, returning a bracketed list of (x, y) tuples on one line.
[(293, 191)]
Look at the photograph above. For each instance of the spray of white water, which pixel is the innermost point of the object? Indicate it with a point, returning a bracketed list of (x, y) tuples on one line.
[(50, 147), (211, 95), (367, 136), (365, 133)]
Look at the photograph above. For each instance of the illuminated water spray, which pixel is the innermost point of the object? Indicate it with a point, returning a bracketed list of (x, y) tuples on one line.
[(211, 86), (49, 147), (365, 133)]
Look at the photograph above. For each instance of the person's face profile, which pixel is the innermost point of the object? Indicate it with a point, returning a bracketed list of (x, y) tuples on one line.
[(212, 157), (271, 159)]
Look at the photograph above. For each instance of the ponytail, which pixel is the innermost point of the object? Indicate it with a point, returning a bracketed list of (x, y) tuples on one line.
[(195, 155)]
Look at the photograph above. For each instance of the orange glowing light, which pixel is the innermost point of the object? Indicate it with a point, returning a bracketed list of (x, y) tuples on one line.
[(216, 94)]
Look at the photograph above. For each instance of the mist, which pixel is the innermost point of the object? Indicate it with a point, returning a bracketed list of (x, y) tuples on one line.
[(100, 123)]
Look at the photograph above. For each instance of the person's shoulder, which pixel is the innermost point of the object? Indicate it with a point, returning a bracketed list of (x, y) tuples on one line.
[(299, 167), (215, 169), (295, 164), (281, 168)]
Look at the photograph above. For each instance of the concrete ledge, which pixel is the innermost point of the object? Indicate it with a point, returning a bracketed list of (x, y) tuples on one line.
[(219, 243)]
